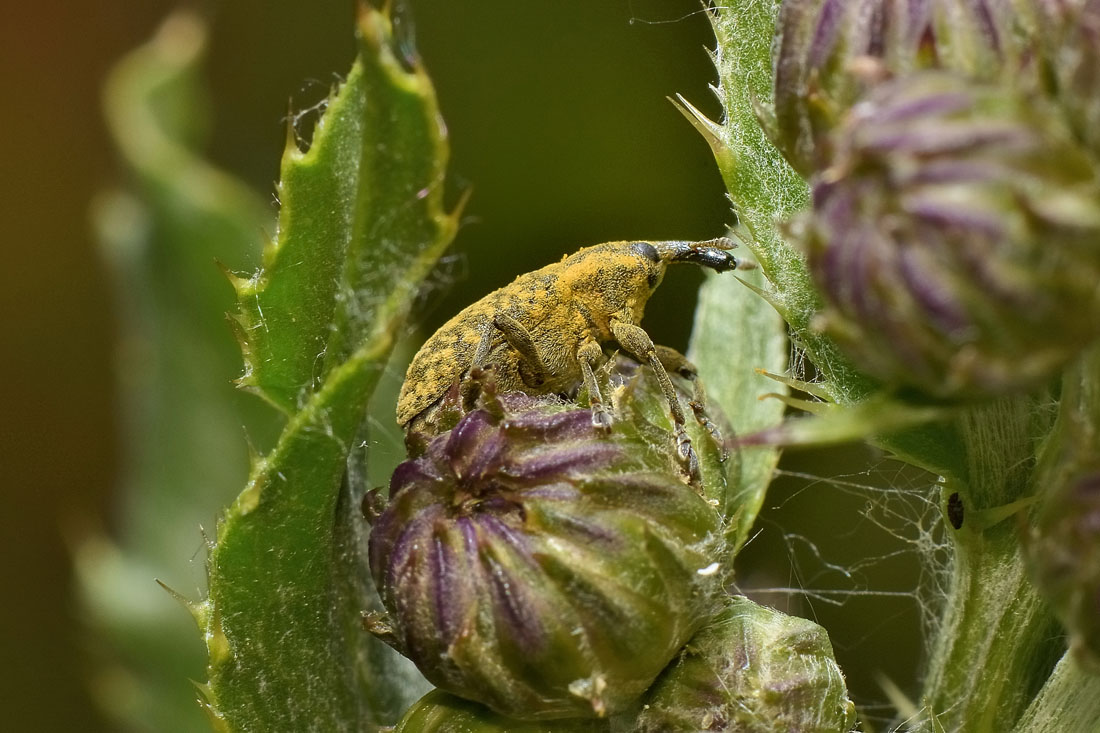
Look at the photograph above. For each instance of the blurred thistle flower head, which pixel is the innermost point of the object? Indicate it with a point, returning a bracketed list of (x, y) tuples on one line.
[(830, 53), (955, 237)]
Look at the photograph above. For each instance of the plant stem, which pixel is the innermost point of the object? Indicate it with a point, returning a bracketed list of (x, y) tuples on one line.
[(1068, 703), (998, 640)]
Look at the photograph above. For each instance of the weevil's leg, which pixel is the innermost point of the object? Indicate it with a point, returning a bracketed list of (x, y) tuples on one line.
[(589, 354), (470, 389), (519, 338), (481, 354), (674, 361), (635, 340)]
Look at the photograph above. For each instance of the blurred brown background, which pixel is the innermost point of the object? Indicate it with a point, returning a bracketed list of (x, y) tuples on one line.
[(560, 124)]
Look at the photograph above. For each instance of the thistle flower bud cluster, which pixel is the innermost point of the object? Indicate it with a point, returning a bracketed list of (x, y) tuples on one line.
[(955, 232), (956, 238), (535, 564)]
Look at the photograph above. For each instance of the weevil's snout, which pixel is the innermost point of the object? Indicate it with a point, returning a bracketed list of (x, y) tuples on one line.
[(718, 260), (711, 253)]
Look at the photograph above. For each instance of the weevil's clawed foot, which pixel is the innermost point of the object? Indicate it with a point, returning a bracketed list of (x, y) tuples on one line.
[(700, 413), (687, 457), (601, 419)]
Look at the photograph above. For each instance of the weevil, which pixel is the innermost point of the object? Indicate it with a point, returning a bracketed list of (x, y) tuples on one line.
[(545, 332)]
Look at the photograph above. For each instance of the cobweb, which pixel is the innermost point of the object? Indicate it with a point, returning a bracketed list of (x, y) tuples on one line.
[(853, 540)]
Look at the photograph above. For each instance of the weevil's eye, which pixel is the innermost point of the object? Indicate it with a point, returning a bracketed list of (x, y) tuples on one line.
[(647, 250)]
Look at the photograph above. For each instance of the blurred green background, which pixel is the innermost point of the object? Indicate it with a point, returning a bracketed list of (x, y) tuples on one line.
[(559, 124)]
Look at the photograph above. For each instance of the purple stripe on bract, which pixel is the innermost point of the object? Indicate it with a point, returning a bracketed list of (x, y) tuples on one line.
[(553, 426), (924, 286), (876, 28), (983, 16), (826, 30), (942, 136), (511, 602), (467, 434), (856, 269), (552, 492), (954, 170), (583, 531), (406, 537), (411, 472), (580, 457), (468, 528), (904, 110), (968, 219), (391, 529), (448, 601), (495, 530), (482, 461), (833, 213), (401, 554)]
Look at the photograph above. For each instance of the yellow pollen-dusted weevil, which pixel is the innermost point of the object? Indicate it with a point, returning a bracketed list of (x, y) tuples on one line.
[(544, 333)]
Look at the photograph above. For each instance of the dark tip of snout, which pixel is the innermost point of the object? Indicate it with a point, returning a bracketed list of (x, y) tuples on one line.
[(716, 259), (711, 253)]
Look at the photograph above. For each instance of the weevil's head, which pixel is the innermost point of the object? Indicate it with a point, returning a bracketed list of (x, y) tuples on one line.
[(654, 257), (620, 276)]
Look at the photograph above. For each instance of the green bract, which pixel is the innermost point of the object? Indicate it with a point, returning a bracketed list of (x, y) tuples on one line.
[(440, 712), (541, 567), (752, 670)]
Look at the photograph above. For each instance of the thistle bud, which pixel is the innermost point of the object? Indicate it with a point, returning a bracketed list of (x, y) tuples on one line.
[(1072, 51), (441, 712), (542, 567), (829, 53), (956, 238), (1065, 560), (751, 670)]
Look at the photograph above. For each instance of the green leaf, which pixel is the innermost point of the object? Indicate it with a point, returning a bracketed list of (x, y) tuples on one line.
[(736, 334), (361, 223), (175, 361)]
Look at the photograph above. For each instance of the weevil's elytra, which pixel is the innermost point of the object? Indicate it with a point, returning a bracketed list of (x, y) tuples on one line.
[(544, 333)]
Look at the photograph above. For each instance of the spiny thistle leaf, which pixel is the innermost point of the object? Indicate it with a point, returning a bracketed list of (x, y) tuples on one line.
[(361, 223), (370, 184), (736, 334)]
